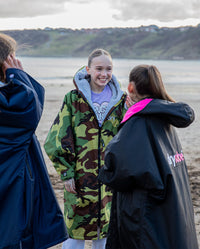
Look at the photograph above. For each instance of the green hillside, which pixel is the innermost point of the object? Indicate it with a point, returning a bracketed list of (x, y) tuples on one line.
[(137, 43)]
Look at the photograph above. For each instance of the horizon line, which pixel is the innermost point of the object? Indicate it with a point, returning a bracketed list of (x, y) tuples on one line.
[(117, 27)]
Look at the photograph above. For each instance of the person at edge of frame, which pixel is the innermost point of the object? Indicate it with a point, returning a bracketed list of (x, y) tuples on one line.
[(145, 166), (30, 217)]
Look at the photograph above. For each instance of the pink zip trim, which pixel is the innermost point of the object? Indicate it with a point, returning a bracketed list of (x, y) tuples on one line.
[(137, 107)]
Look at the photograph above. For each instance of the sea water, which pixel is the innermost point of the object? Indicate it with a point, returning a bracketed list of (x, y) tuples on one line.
[(51, 70)]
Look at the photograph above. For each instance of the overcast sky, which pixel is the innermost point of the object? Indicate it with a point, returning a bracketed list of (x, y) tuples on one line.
[(77, 14)]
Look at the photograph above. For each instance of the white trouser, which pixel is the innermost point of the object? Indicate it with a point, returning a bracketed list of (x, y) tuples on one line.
[(80, 244)]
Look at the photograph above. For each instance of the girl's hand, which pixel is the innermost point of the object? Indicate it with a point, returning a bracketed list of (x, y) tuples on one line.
[(70, 186), (129, 101), (11, 62)]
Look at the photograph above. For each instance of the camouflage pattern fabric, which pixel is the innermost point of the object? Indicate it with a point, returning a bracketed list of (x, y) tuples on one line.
[(76, 145)]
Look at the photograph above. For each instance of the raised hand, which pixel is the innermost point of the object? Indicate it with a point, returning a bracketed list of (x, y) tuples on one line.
[(11, 62)]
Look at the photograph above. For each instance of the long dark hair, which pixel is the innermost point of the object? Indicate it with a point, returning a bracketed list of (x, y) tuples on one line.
[(148, 81)]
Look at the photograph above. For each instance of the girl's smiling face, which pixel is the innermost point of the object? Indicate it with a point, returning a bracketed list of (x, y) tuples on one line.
[(100, 72)]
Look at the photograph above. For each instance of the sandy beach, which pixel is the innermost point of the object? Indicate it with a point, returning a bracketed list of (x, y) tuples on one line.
[(189, 138)]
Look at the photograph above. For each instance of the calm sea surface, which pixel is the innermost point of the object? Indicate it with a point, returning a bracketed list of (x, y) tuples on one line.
[(61, 70)]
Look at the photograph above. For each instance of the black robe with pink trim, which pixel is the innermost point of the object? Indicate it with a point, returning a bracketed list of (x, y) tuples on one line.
[(145, 166)]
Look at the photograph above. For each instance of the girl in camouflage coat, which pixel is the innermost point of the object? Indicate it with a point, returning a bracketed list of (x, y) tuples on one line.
[(88, 120)]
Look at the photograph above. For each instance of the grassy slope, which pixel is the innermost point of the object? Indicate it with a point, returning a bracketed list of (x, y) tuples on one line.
[(121, 43)]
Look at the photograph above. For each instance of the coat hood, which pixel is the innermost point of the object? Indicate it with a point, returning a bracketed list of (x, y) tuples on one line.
[(178, 114)]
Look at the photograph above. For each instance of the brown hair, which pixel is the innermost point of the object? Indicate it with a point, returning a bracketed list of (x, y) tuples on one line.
[(148, 81), (7, 46), (97, 52)]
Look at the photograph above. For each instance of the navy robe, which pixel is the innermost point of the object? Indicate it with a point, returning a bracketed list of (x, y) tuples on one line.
[(30, 216)]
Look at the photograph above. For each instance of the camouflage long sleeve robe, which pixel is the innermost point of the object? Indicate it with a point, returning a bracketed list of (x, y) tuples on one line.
[(76, 144)]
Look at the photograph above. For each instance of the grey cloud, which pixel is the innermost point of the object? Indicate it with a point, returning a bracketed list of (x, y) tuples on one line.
[(163, 11), (30, 8)]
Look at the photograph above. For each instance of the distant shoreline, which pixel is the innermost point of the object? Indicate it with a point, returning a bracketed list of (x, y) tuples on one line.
[(145, 42)]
